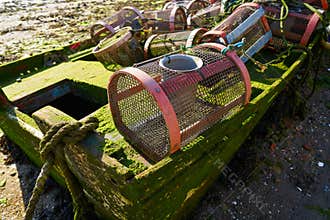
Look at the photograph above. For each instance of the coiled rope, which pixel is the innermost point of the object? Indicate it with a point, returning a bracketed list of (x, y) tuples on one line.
[(52, 152)]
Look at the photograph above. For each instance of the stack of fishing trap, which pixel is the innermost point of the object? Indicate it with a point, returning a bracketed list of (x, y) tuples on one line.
[(163, 103), (164, 21), (108, 27), (206, 17), (191, 6), (160, 44), (297, 27), (246, 22)]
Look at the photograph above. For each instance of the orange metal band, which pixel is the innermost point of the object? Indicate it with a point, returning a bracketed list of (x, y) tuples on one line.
[(147, 46), (136, 11), (191, 39), (324, 4), (251, 4), (214, 33), (309, 29), (162, 101), (173, 15)]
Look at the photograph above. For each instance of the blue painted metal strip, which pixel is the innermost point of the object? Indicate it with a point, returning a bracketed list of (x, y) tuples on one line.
[(258, 45), (254, 18)]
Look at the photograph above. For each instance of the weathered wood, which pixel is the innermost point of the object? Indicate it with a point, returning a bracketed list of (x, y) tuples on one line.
[(117, 190)]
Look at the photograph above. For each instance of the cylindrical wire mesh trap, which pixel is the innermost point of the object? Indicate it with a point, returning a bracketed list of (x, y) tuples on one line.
[(206, 17), (107, 27), (297, 27), (191, 6), (163, 21), (162, 104), (123, 48), (160, 44), (247, 21)]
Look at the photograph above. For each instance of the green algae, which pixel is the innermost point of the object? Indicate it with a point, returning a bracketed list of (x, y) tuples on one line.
[(116, 146), (81, 71)]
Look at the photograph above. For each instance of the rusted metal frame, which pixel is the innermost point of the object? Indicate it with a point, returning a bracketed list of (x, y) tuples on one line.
[(160, 97)]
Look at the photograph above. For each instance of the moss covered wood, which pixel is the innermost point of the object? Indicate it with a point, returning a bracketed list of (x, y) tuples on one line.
[(117, 190)]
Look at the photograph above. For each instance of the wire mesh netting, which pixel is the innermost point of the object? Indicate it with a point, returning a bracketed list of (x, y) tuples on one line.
[(206, 17), (191, 6), (108, 26), (150, 101), (164, 21), (248, 22), (161, 44), (297, 27)]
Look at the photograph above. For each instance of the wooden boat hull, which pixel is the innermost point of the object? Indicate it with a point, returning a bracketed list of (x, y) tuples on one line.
[(116, 188)]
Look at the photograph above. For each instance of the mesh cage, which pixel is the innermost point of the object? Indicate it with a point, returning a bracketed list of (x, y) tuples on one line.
[(164, 103), (107, 27), (206, 17), (157, 45), (123, 48), (170, 20), (297, 27), (191, 6), (247, 21)]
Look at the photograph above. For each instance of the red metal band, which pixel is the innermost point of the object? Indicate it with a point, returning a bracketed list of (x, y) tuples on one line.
[(106, 27), (213, 34), (173, 16), (251, 4), (309, 29), (147, 46), (160, 97), (265, 23), (190, 4), (324, 4), (192, 36), (136, 11)]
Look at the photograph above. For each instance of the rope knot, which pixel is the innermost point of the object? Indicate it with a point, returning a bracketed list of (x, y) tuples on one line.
[(51, 151)]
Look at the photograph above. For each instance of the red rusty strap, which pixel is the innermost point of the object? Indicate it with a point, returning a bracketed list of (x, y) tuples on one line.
[(173, 14), (265, 23), (192, 36), (147, 45), (213, 34), (239, 63), (105, 27), (136, 11), (191, 3), (325, 4), (161, 99), (249, 4), (309, 29)]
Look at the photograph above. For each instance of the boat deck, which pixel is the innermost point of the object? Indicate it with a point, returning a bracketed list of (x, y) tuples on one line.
[(106, 165), (37, 91)]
